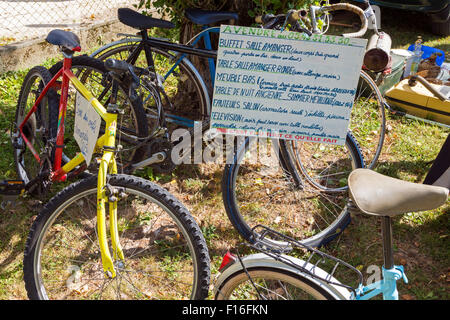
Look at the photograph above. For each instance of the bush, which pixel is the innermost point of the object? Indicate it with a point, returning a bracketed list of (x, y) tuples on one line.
[(174, 9)]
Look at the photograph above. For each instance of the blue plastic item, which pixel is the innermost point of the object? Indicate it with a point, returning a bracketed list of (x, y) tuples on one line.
[(387, 286), (428, 51)]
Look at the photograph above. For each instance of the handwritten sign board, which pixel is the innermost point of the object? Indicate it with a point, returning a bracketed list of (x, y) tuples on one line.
[(87, 127), (285, 84)]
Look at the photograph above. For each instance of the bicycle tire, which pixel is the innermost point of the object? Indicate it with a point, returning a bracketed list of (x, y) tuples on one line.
[(39, 129), (62, 240), (271, 282), (172, 102), (368, 119), (271, 192), (86, 68)]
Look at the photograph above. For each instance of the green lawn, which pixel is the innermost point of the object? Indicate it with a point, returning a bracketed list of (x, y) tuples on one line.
[(421, 240)]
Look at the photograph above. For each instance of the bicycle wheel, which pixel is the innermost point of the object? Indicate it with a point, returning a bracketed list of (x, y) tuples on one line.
[(326, 166), (131, 125), (322, 164), (261, 186), (38, 130), (368, 119), (271, 284), (165, 253), (184, 95)]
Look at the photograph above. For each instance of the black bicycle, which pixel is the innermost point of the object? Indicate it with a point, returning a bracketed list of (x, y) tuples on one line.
[(278, 190)]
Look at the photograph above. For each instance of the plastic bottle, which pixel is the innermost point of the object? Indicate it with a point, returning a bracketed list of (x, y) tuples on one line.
[(417, 55)]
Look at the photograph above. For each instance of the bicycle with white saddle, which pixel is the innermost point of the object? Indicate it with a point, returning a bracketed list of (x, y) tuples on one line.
[(273, 274)]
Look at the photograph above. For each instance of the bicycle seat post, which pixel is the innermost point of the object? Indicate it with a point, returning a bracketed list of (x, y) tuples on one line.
[(386, 232), (69, 43), (148, 55), (386, 197), (67, 65)]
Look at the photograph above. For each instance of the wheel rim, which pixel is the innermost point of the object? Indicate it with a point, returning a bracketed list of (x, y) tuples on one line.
[(35, 130), (264, 193), (141, 284), (269, 285)]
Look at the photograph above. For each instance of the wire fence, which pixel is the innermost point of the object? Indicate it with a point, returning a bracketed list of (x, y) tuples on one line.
[(28, 19)]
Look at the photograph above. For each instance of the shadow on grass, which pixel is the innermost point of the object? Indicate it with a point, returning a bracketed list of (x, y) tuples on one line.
[(419, 169), (421, 245), (15, 223)]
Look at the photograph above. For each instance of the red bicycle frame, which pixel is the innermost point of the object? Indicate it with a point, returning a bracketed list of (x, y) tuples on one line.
[(57, 174)]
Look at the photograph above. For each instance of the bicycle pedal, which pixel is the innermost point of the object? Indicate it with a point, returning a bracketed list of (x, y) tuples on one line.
[(12, 187), (10, 190)]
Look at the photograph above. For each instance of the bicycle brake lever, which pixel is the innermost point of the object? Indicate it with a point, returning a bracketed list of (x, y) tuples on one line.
[(272, 21), (299, 28)]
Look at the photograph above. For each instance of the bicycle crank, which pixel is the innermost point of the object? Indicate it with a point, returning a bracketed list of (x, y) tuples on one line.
[(160, 160)]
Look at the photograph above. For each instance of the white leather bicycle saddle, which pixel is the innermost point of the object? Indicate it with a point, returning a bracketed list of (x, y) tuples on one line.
[(377, 194)]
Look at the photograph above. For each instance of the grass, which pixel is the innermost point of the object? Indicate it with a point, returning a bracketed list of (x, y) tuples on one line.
[(421, 239)]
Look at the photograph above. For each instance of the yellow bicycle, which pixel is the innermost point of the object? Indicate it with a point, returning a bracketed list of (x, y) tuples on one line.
[(155, 249)]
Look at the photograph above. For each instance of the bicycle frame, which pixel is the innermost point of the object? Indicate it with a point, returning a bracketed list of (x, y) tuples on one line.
[(279, 259), (146, 43), (205, 35), (107, 164), (390, 272)]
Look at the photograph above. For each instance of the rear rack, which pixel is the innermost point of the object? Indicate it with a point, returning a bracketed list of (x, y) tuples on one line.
[(317, 258)]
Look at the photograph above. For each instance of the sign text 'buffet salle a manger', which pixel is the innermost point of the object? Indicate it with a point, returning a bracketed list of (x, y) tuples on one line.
[(284, 84)]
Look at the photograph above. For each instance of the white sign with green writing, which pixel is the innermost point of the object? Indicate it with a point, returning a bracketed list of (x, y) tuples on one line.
[(285, 84), (86, 127)]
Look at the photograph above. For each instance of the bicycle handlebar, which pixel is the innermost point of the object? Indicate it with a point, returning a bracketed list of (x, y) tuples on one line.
[(269, 21), (335, 7), (119, 68), (314, 10)]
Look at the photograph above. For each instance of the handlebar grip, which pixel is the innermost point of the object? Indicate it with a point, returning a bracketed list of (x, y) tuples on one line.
[(264, 18), (356, 10), (117, 66)]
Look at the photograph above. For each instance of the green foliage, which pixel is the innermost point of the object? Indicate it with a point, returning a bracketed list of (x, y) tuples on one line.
[(174, 9), (278, 6)]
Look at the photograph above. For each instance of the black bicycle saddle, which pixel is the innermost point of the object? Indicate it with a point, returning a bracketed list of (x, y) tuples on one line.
[(138, 21), (204, 17), (65, 39)]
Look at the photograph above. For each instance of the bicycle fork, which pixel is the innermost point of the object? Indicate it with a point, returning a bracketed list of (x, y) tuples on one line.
[(105, 193), (107, 196)]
